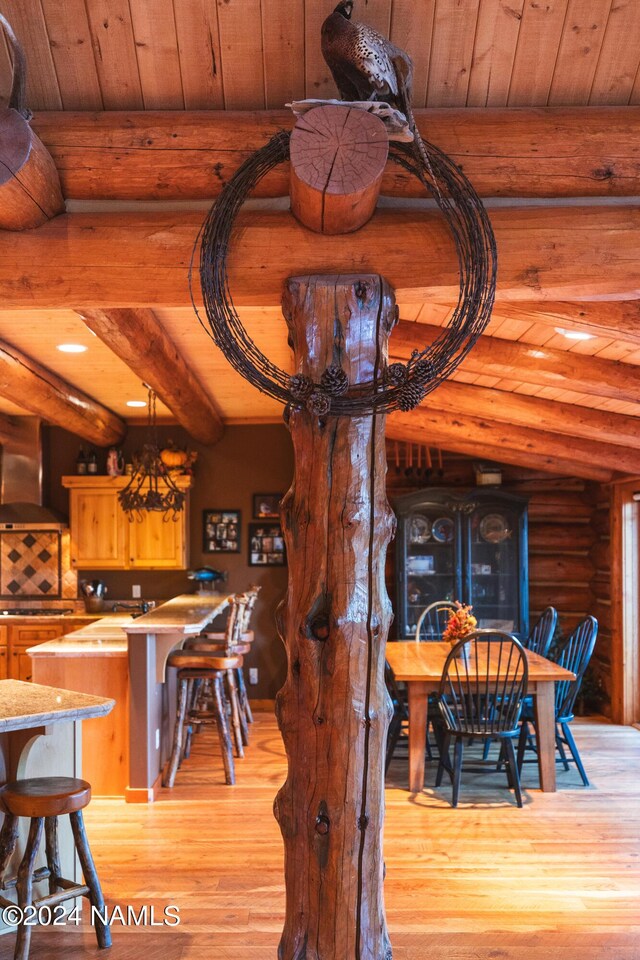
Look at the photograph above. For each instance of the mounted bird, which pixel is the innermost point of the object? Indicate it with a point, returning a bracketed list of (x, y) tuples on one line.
[(367, 66)]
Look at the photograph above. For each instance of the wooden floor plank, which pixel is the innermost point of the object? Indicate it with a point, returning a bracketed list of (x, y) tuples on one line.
[(557, 880)]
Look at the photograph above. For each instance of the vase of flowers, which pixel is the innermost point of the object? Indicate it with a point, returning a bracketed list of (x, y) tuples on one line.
[(460, 624)]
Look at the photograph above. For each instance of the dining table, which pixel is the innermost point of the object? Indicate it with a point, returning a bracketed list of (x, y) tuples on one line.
[(419, 665)]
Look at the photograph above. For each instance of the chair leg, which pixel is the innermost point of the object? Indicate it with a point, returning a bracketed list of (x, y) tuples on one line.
[(176, 750), (53, 852), (244, 697), (223, 731), (575, 752), (8, 841), (457, 770), (393, 735), (443, 763), (232, 696), (560, 749), (103, 931), (512, 769), (522, 744), (25, 886), (193, 687)]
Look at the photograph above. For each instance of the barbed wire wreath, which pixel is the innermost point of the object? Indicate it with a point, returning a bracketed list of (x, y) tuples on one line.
[(405, 385)]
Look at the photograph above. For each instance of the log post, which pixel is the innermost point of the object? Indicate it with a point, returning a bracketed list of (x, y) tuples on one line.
[(30, 192), (338, 156), (333, 710)]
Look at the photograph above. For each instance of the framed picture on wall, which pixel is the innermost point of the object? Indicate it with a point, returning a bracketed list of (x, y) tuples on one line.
[(266, 545), (266, 506), (221, 531)]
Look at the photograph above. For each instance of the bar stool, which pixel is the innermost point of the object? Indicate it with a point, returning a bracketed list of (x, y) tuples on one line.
[(229, 646), (43, 800), (237, 642), (195, 669)]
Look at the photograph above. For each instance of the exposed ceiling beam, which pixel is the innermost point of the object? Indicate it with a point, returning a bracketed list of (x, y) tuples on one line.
[(500, 442), (39, 391), (142, 259), (138, 338), (614, 320), (569, 420), (545, 367), (554, 152)]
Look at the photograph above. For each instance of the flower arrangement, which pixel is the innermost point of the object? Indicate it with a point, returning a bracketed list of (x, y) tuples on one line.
[(461, 623)]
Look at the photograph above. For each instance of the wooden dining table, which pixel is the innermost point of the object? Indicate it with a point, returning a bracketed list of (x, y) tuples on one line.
[(419, 665)]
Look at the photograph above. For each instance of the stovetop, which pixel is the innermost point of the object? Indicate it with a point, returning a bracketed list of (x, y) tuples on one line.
[(35, 612)]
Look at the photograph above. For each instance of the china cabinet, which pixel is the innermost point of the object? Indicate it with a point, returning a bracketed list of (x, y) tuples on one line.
[(462, 545)]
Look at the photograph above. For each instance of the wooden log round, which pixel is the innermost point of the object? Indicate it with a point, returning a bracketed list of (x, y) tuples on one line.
[(30, 192), (338, 156), (333, 709)]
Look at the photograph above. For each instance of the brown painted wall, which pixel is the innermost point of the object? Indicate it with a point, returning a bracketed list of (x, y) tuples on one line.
[(248, 460)]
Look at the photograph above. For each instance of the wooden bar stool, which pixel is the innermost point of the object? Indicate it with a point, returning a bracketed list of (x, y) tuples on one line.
[(43, 800), (197, 668), (227, 644), (237, 639)]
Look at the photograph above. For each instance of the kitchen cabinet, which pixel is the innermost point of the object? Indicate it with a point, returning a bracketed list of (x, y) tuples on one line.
[(21, 637), (103, 538), (18, 636), (469, 546)]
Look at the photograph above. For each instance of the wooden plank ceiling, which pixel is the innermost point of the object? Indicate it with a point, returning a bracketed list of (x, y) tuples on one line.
[(256, 54), (186, 55)]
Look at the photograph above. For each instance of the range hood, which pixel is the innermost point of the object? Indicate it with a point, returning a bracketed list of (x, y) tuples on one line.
[(21, 490)]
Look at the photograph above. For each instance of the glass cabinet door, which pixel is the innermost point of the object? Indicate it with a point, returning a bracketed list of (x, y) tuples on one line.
[(431, 567), (494, 566)]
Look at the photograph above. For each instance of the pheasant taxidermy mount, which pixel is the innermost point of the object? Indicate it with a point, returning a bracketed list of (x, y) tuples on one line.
[(367, 66)]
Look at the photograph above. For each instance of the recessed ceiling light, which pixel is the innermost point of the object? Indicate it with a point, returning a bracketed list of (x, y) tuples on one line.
[(71, 347), (575, 334), (136, 403)]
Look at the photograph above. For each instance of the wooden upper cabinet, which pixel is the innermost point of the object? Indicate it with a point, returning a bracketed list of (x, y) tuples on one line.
[(155, 543), (103, 538), (98, 529)]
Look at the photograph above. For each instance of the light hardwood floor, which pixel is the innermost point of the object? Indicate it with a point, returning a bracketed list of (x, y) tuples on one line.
[(557, 880)]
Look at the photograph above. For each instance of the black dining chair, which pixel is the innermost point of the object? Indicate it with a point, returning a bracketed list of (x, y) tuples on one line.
[(573, 655), (477, 702), (398, 726), (433, 620), (541, 634)]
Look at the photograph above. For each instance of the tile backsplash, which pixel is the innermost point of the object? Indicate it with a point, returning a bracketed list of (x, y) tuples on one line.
[(36, 564)]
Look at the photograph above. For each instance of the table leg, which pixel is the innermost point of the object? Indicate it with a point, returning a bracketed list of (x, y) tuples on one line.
[(546, 735), (418, 702)]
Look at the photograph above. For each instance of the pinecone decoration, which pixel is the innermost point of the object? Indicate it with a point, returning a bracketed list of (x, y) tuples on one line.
[(319, 404), (396, 374), (423, 371), (300, 387), (334, 381), (411, 394)]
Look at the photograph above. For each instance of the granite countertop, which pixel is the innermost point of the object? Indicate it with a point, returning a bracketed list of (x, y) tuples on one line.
[(188, 613), (27, 705), (104, 638)]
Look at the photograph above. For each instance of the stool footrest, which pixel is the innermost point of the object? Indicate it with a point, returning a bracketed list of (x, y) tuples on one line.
[(70, 893), (42, 873)]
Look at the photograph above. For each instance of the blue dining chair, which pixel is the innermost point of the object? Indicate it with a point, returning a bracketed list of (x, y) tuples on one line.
[(573, 655)]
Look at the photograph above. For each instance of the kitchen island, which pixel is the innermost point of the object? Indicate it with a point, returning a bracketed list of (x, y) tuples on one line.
[(125, 658), (40, 735)]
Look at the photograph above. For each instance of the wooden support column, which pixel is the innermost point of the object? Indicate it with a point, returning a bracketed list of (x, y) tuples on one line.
[(333, 710), (30, 191)]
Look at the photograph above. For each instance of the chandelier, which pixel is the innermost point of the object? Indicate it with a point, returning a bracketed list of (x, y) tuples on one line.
[(151, 488)]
